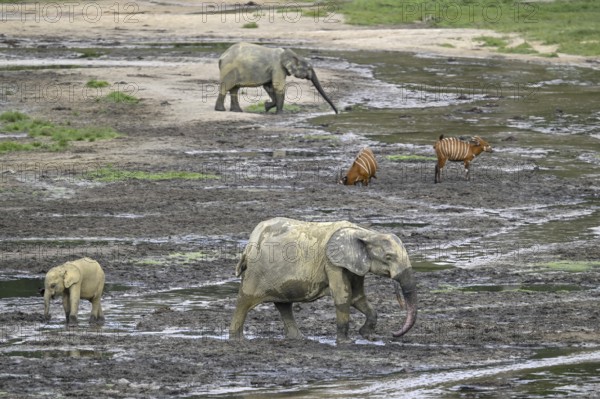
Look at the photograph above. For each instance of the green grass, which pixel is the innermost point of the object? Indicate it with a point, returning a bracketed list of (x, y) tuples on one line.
[(13, 116), (491, 41), (45, 134), (109, 174), (571, 266), (97, 84), (250, 25), (259, 108), (572, 25), (502, 45), (410, 158), (120, 97), (89, 53)]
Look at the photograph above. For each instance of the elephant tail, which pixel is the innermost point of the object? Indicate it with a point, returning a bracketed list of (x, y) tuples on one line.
[(241, 266)]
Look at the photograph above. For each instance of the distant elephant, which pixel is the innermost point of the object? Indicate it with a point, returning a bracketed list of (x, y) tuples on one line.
[(287, 261), (82, 278), (251, 65)]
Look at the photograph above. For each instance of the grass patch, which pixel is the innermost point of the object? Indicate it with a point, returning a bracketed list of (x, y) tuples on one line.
[(120, 97), (571, 266), (13, 116), (188, 257), (410, 158), (89, 53), (259, 108), (250, 25), (502, 45), (572, 25), (447, 45), (47, 135), (523, 48), (491, 41), (97, 84), (110, 174)]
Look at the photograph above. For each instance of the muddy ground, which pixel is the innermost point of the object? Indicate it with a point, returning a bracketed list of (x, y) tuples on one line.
[(159, 236)]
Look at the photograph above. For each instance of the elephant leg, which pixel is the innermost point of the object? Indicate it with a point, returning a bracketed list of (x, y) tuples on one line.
[(360, 302), (67, 306), (279, 98), (220, 104), (363, 306), (271, 92), (97, 317), (236, 328), (341, 290), (74, 305), (235, 104), (289, 324)]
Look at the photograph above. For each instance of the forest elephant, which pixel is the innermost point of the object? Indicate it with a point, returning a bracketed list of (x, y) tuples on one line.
[(287, 261), (251, 65), (81, 278)]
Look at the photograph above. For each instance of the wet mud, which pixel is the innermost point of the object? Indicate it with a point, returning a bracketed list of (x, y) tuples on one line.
[(508, 264)]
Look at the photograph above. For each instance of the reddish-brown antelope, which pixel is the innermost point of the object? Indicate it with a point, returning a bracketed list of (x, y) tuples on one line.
[(457, 150), (362, 170)]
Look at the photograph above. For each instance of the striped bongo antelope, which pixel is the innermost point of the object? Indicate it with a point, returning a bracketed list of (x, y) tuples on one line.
[(363, 168), (456, 150)]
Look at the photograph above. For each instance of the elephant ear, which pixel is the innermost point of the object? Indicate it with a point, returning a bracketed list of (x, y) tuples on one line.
[(72, 276), (347, 248), (290, 62)]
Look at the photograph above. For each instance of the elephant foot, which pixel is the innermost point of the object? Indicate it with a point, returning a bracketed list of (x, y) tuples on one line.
[(97, 321), (219, 108), (236, 336), (72, 321), (236, 109), (343, 340), (269, 105), (297, 335), (368, 333)]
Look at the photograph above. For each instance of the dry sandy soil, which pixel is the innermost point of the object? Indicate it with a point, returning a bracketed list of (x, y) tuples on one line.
[(268, 166)]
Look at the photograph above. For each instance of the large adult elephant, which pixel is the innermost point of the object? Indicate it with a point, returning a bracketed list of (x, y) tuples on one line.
[(251, 65), (287, 261)]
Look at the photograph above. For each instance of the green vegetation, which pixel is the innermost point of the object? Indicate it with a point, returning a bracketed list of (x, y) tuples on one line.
[(89, 53), (45, 134), (250, 25), (447, 45), (491, 41), (120, 97), (571, 25), (410, 158), (571, 266), (188, 257), (259, 107), (110, 174), (502, 45), (13, 116), (97, 84)]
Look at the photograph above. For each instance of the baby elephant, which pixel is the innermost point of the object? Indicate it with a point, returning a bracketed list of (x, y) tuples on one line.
[(82, 278)]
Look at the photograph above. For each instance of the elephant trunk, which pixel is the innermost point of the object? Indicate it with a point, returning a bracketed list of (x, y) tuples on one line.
[(319, 88), (408, 296)]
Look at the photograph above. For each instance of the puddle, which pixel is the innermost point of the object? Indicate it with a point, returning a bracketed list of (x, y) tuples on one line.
[(58, 353), (576, 374), (21, 288), (522, 287)]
